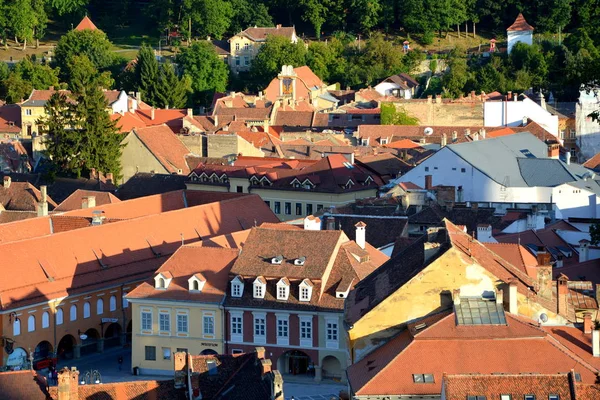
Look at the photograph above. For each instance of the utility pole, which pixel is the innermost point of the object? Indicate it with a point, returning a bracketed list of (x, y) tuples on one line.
[(359, 42), (190, 31)]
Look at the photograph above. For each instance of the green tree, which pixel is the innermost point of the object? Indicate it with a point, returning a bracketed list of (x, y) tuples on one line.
[(246, 14), (22, 20), (456, 78), (93, 44), (38, 75), (206, 71), (63, 7), (208, 17), (276, 52), (315, 12), (172, 90), (15, 88), (80, 67), (367, 13), (390, 115), (530, 59), (595, 233), (146, 75)]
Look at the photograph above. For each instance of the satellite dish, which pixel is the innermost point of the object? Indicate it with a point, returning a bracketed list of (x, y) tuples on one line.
[(83, 336), (428, 131), (543, 317)]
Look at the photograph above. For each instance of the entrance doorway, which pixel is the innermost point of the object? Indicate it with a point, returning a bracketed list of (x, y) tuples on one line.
[(295, 362), (112, 335), (65, 347)]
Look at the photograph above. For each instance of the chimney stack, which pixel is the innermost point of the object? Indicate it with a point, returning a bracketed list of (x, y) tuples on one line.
[(499, 296), (543, 257), (180, 360), (88, 202), (266, 365), (42, 206), (260, 353), (361, 234), (109, 177), (584, 250), (568, 158), (7, 182), (68, 384), (587, 323), (97, 217), (444, 140), (553, 151), (330, 223), (456, 297), (312, 223), (152, 113), (190, 112), (428, 182), (596, 343), (563, 294), (513, 307)]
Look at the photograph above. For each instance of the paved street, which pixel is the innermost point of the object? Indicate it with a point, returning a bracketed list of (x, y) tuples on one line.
[(312, 391)]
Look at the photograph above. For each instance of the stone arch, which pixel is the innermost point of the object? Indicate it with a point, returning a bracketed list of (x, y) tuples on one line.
[(42, 351), (295, 362), (112, 335), (66, 347), (332, 367), (208, 352), (90, 344)]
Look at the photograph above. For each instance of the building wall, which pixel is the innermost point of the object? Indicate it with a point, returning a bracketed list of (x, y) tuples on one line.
[(195, 341), (588, 131), (31, 120), (121, 104), (444, 114), (230, 145), (55, 332), (318, 351), (137, 158), (387, 88), (512, 113), (515, 37), (193, 143), (575, 202), (241, 53)]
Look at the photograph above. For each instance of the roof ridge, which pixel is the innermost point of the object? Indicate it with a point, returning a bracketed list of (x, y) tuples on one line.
[(568, 352)]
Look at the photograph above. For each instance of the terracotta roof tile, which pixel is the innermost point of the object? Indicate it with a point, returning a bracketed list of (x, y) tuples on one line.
[(10, 118), (173, 118), (21, 385), (74, 201), (166, 147), (593, 163), (520, 24), (86, 23), (127, 121), (22, 196), (260, 34)]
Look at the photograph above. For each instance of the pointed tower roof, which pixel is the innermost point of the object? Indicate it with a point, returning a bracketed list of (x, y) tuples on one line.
[(520, 24), (86, 23)]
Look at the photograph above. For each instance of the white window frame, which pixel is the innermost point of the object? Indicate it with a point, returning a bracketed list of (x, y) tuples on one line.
[(306, 330), (211, 316), (283, 326), (99, 307), (87, 309), (237, 287), (261, 337), (31, 323), (60, 316), (186, 314), (304, 286), (332, 335), (283, 290), (144, 328), (17, 327), (258, 289), (235, 318), (73, 312), (162, 313), (112, 303), (45, 319)]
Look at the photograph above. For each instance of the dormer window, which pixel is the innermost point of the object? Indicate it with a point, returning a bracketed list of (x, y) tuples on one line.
[(305, 289), (162, 280), (196, 282), (349, 184), (300, 261), (237, 287), (296, 183), (283, 289), (277, 260), (259, 287)]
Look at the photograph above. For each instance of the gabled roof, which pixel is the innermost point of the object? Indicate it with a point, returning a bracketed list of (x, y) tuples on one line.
[(19, 385), (518, 347), (86, 23), (520, 24), (22, 196), (74, 201), (260, 34), (166, 147), (10, 118)]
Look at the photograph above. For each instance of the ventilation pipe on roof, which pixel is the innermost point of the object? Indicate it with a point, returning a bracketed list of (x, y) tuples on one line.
[(596, 343), (42, 207), (361, 233), (513, 307), (7, 182), (330, 223), (587, 323)]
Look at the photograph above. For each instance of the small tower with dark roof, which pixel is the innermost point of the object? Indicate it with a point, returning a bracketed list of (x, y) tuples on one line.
[(519, 31)]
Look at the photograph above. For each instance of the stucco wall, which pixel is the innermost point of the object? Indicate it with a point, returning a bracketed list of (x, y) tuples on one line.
[(515, 37), (193, 143), (137, 158), (512, 113), (444, 114), (588, 131)]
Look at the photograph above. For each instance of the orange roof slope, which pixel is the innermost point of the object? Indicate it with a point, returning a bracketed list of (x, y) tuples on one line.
[(78, 261), (75, 200), (403, 144), (127, 122), (520, 24), (166, 147), (86, 23)]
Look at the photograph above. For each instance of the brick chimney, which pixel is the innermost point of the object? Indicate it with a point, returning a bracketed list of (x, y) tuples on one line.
[(88, 202), (42, 207), (68, 384), (361, 232), (544, 273), (7, 182), (587, 323), (152, 113), (428, 182), (266, 365), (180, 360), (260, 352), (553, 151), (513, 306), (562, 284), (109, 177), (499, 296), (596, 343), (330, 223), (584, 250), (277, 387)]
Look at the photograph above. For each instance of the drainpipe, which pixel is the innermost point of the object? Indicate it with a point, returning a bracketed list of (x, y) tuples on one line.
[(224, 325), (54, 349)]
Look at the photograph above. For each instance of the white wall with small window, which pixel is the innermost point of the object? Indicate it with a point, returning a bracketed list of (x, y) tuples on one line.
[(208, 325), (305, 290), (164, 322), (332, 332), (146, 321), (183, 317), (162, 280), (260, 327), (237, 286), (283, 289), (259, 287), (196, 283), (306, 330), (283, 329), (236, 321)]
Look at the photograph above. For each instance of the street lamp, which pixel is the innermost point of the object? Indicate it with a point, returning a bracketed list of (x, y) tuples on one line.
[(91, 376)]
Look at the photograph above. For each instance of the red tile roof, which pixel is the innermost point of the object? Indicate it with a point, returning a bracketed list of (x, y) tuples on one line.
[(260, 34), (21, 385), (520, 24), (403, 144), (10, 118), (22, 196), (75, 200), (86, 23), (173, 118), (517, 255), (593, 163), (127, 121), (518, 347), (305, 82), (166, 147)]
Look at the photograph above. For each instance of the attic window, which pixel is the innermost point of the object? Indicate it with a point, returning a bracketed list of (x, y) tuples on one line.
[(277, 260), (300, 261), (283, 289), (259, 288), (162, 280), (384, 141), (305, 290), (237, 287), (196, 283), (424, 378)]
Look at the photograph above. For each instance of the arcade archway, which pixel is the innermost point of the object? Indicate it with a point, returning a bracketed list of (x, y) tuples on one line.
[(66, 346), (112, 335), (295, 362)]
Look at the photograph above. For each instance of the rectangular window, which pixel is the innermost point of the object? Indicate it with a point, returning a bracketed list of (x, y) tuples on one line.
[(237, 351), (182, 323), (288, 208), (237, 46), (426, 169), (166, 353), (463, 170), (150, 353), (268, 203), (505, 397), (28, 111), (304, 293), (529, 397), (309, 209), (182, 350), (277, 208), (165, 322), (236, 290), (553, 397), (282, 328), (246, 60), (146, 321), (306, 331), (246, 46), (237, 60), (331, 334), (298, 208), (236, 328), (260, 328), (319, 207), (208, 322), (258, 291), (239, 189)]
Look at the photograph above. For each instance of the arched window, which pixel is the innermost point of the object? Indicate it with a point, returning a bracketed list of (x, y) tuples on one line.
[(31, 324), (73, 313), (161, 283), (125, 301), (17, 327), (46, 319), (196, 286), (86, 309), (59, 316), (113, 303), (100, 307)]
